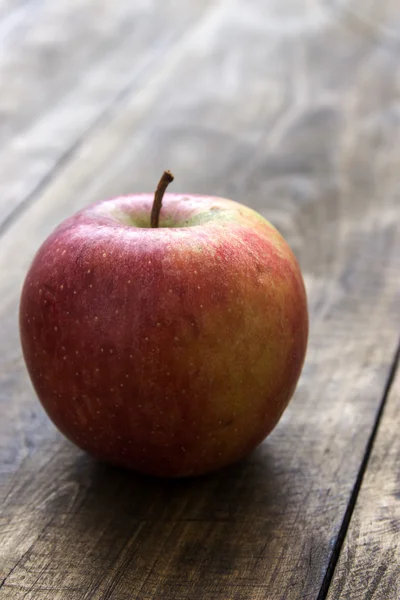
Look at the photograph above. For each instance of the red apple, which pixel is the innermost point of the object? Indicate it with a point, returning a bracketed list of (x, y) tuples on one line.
[(171, 349)]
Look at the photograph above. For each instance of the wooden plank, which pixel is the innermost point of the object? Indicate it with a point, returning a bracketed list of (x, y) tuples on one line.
[(117, 45), (47, 46), (369, 564), (56, 42), (299, 122)]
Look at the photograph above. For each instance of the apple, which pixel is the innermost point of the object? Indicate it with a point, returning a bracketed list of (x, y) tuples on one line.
[(167, 340)]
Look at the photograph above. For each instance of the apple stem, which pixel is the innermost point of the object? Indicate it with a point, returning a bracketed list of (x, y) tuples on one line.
[(165, 180)]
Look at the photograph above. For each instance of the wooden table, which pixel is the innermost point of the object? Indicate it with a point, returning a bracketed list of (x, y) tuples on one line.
[(292, 108)]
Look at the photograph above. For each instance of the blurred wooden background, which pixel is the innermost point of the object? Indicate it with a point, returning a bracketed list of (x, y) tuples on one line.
[(291, 107)]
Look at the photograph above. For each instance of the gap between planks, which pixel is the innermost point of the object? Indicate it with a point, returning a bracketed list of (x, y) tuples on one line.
[(359, 481)]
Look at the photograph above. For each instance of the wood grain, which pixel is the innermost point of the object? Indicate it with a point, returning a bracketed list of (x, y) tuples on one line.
[(47, 105), (296, 115), (369, 565)]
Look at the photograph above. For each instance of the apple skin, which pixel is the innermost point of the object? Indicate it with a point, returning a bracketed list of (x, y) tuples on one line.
[(172, 350)]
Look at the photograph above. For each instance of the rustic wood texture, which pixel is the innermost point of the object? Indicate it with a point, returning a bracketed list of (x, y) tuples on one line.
[(292, 109), (369, 565), (61, 55)]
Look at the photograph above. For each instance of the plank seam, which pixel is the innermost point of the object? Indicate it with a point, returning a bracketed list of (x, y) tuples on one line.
[(359, 480), (101, 119)]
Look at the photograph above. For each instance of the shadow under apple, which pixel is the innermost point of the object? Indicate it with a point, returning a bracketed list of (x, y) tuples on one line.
[(158, 537)]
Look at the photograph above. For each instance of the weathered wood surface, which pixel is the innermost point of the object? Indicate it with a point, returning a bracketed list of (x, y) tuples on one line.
[(369, 565), (58, 56), (291, 109)]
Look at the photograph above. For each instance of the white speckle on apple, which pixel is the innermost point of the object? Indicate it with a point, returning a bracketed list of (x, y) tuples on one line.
[(77, 373), (96, 318), (198, 287), (176, 339), (74, 291), (111, 351), (170, 291), (101, 349), (30, 285), (129, 280), (88, 271), (63, 252), (149, 262), (126, 376), (158, 324), (121, 385), (195, 272), (40, 291), (62, 286), (90, 285), (201, 306), (117, 311), (130, 356), (146, 339), (55, 328), (65, 357), (111, 389), (77, 352), (97, 369), (104, 254)]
